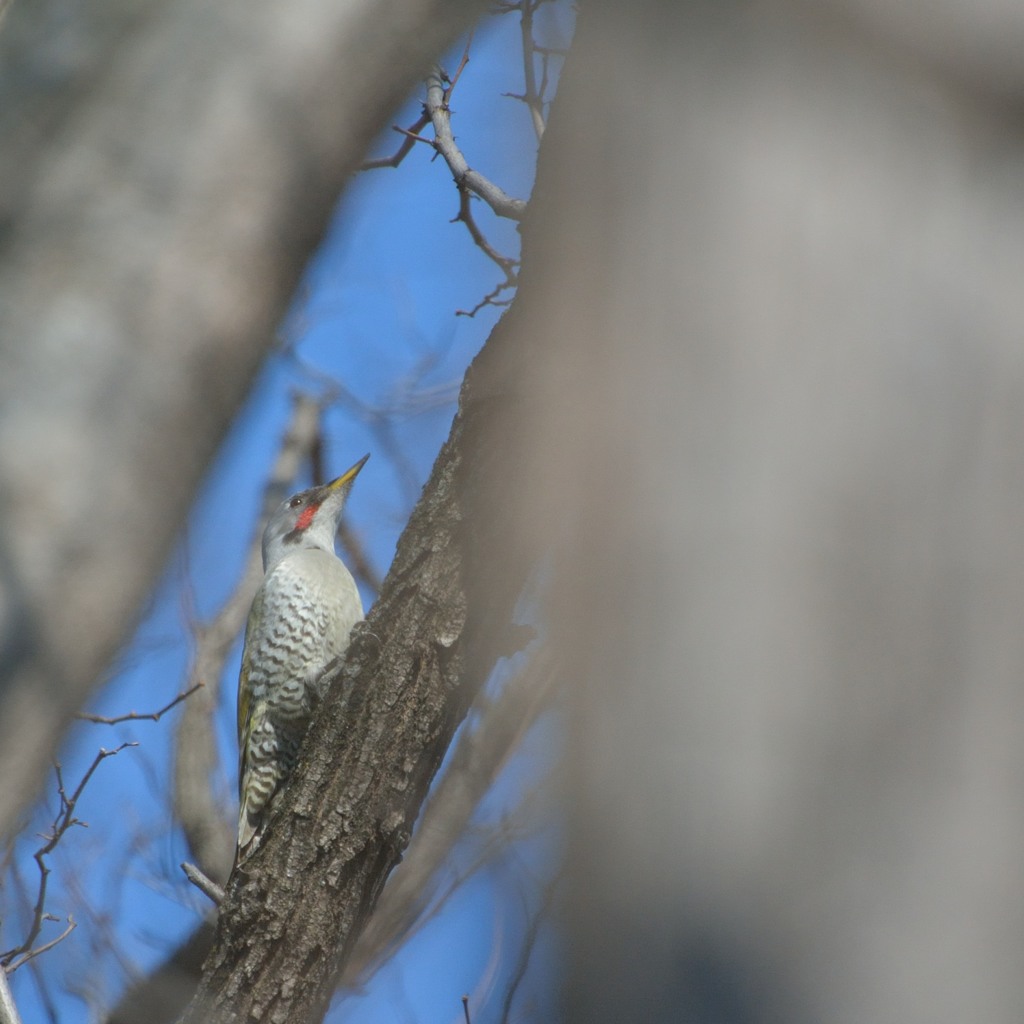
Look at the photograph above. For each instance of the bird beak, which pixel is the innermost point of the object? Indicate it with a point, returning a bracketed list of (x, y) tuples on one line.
[(348, 476)]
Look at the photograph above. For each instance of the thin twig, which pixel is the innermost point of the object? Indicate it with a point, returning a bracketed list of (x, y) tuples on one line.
[(32, 953), (533, 98), (465, 215), (412, 135), (465, 1009), (137, 716), (534, 94), (490, 299), (505, 263), (205, 885), (453, 80), (63, 821)]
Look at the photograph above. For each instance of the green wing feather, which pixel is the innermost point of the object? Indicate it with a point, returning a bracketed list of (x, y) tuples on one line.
[(244, 691)]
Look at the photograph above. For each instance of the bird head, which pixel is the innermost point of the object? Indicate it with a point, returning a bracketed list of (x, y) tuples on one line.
[(308, 519)]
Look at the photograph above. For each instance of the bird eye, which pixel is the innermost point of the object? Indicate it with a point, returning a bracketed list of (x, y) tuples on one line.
[(295, 502)]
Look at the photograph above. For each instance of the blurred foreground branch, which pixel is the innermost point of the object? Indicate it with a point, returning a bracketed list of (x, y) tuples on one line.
[(129, 336)]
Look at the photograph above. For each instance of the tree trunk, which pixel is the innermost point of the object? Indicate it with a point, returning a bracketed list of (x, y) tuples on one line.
[(292, 916), (778, 314)]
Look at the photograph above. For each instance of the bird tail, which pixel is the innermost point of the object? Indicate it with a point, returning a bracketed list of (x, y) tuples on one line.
[(257, 779), (248, 829)]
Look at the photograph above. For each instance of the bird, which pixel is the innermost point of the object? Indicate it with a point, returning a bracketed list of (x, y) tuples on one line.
[(298, 626)]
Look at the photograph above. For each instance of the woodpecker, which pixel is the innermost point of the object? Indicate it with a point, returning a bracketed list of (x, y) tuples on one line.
[(299, 624)]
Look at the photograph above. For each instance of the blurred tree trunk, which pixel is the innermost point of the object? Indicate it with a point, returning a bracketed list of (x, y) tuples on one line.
[(166, 172), (776, 312)]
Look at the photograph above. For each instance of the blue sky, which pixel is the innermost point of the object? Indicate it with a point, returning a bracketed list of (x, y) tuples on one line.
[(376, 312)]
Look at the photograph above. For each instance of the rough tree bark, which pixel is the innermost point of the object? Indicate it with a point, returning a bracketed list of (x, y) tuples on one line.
[(154, 230)]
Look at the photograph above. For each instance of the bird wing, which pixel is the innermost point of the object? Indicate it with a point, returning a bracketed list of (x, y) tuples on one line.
[(244, 689)]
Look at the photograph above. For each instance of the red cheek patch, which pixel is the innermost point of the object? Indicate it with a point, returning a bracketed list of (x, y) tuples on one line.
[(306, 518)]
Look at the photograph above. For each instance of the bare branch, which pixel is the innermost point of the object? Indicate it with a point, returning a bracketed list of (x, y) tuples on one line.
[(453, 80), (465, 215), (411, 137), (205, 885), (469, 182), (64, 820), (490, 299), (507, 264), (532, 97), (136, 716), (8, 1009), (32, 953), (436, 106), (534, 93)]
